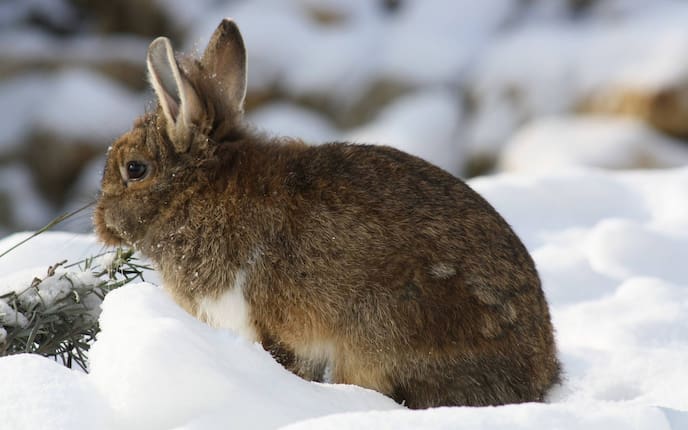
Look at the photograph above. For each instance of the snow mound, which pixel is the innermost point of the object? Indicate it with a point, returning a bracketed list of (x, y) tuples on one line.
[(425, 124), (553, 143), (290, 120), (180, 371), (73, 103), (510, 417), (39, 393)]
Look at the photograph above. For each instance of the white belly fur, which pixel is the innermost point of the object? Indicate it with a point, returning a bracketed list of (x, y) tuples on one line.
[(230, 310)]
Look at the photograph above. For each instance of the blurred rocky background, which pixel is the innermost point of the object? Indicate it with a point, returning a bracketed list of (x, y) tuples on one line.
[(475, 87)]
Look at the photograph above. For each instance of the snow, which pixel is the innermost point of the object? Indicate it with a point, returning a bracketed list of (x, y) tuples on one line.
[(460, 31), (608, 245), (286, 119), (98, 109), (553, 143), (52, 288), (548, 67), (424, 124), (40, 393), (11, 318), (366, 47), (514, 62), (520, 417), (45, 250)]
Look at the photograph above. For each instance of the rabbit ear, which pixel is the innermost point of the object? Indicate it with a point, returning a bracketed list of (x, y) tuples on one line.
[(225, 61), (177, 98)]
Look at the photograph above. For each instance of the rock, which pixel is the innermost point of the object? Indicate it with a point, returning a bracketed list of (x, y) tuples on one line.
[(665, 109), (141, 17)]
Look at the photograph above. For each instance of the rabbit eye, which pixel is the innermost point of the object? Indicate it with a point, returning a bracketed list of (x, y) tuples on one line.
[(136, 170)]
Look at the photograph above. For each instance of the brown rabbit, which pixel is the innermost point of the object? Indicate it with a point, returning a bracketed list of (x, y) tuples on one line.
[(363, 260)]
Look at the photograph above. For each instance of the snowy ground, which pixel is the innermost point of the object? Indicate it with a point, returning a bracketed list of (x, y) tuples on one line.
[(611, 249)]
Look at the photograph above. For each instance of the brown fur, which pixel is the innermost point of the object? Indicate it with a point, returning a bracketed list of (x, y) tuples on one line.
[(374, 262)]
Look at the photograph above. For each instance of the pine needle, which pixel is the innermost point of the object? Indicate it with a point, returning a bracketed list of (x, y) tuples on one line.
[(66, 328)]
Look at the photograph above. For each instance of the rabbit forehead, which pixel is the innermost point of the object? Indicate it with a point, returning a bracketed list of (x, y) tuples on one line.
[(133, 145)]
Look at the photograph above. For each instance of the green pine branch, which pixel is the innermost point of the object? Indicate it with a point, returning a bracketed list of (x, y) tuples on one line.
[(64, 327)]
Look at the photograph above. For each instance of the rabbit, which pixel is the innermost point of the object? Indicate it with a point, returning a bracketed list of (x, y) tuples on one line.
[(349, 263)]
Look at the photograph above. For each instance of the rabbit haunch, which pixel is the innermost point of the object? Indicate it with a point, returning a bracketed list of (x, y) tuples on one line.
[(383, 268)]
